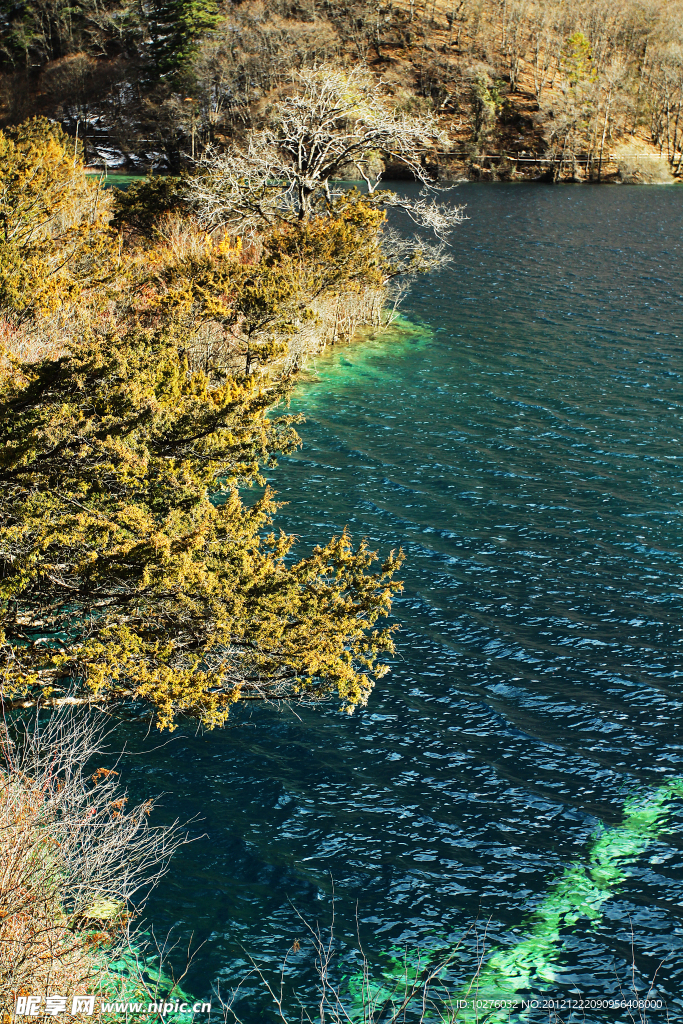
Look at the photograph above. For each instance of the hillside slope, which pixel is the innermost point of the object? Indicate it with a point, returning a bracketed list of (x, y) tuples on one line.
[(532, 88)]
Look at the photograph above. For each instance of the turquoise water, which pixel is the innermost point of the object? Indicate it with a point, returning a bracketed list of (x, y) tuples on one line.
[(520, 438), (116, 180)]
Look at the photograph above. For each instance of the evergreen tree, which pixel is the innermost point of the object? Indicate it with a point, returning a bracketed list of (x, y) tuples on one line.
[(176, 27), (131, 570), (577, 59)]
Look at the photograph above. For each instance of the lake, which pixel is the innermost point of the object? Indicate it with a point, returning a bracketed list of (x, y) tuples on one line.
[(519, 435)]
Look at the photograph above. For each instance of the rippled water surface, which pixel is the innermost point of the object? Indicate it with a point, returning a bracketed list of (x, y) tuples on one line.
[(522, 443)]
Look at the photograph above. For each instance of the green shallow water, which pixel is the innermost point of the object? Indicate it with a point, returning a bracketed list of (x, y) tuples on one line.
[(520, 436), (116, 180)]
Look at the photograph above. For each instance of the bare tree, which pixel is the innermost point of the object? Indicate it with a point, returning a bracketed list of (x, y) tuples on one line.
[(249, 54), (72, 855), (413, 985), (545, 43), (514, 16), (665, 100), (334, 125), (612, 76), (566, 122), (456, 15)]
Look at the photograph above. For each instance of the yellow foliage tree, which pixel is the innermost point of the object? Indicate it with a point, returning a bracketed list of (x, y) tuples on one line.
[(54, 233), (192, 278), (132, 571)]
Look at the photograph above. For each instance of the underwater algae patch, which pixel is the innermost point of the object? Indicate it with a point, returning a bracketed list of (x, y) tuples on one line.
[(136, 975), (532, 965)]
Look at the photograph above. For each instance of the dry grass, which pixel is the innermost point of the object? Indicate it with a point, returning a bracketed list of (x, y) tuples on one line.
[(30, 343)]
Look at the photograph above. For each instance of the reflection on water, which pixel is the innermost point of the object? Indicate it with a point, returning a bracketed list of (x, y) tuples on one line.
[(524, 447)]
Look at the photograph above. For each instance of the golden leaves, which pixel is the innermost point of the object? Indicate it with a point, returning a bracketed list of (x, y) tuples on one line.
[(54, 236), (132, 568)]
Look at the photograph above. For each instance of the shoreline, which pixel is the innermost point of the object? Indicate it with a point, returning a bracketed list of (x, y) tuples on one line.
[(483, 175)]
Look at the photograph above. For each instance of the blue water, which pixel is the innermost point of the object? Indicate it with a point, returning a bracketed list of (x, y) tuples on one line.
[(520, 438)]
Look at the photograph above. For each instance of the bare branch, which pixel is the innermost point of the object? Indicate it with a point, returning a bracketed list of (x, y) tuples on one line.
[(73, 857), (336, 124)]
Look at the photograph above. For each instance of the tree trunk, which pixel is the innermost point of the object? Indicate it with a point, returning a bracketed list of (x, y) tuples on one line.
[(641, 71), (676, 139), (604, 132), (303, 203), (593, 145), (560, 167)]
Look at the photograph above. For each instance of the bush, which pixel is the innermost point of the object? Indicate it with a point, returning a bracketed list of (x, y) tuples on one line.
[(74, 863)]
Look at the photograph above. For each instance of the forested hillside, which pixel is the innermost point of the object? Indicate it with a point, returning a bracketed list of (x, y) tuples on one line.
[(153, 82)]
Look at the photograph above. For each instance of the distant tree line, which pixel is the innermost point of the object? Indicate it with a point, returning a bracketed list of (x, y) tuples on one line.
[(163, 79)]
